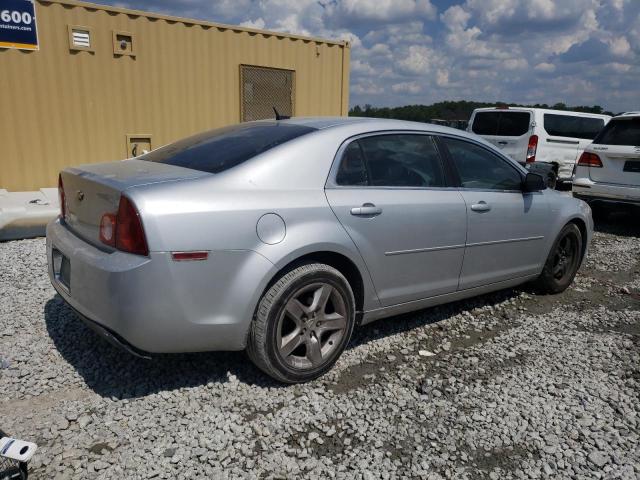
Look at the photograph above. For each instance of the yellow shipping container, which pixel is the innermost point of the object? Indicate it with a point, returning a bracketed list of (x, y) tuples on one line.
[(107, 83)]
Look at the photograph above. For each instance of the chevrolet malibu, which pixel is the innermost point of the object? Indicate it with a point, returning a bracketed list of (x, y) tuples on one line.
[(279, 237)]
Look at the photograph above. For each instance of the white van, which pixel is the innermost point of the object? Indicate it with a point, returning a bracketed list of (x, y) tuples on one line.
[(528, 135)]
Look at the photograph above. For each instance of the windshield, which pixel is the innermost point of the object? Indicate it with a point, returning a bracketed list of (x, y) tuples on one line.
[(218, 150)]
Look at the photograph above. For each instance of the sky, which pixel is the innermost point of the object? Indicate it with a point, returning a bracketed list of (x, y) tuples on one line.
[(579, 52)]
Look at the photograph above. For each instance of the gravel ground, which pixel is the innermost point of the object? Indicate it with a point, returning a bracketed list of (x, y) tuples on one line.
[(507, 385)]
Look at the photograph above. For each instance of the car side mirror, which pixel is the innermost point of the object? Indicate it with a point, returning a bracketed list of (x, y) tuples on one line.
[(533, 183)]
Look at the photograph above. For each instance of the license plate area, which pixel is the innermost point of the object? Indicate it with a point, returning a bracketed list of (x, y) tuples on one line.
[(632, 166), (61, 268)]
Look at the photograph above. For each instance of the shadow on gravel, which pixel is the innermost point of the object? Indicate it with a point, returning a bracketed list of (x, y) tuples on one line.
[(622, 221), (113, 373)]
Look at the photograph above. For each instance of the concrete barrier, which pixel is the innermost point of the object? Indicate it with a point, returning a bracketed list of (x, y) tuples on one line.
[(26, 214)]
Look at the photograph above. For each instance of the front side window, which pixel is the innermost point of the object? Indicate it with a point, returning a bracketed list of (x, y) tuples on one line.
[(478, 168), (620, 132), (570, 126), (219, 150)]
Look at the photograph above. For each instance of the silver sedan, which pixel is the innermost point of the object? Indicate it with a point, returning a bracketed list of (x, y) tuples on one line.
[(280, 237)]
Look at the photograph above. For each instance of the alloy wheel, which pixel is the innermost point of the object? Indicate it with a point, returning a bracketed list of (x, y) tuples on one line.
[(566, 255), (311, 326)]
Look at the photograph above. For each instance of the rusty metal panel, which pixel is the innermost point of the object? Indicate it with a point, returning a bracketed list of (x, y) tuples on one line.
[(66, 106)]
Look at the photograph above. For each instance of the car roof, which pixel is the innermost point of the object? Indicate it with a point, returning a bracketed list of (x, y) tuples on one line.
[(368, 124), (628, 114), (543, 110)]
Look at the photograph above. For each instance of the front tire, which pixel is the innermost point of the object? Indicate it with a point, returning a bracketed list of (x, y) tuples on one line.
[(303, 323), (563, 261)]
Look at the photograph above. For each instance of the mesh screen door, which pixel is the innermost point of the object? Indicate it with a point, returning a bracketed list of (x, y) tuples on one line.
[(262, 89)]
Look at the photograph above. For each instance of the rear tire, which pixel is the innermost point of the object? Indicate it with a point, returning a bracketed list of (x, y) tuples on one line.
[(303, 323), (563, 261)]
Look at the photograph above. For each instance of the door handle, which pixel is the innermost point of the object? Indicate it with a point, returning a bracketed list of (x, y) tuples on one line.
[(367, 209), (481, 206), (502, 143)]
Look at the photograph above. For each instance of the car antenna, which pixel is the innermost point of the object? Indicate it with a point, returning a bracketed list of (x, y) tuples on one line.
[(280, 117)]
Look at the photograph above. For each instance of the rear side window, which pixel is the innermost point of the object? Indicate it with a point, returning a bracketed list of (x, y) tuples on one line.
[(219, 150), (480, 169), (352, 169), (504, 124), (620, 132), (401, 160), (570, 126)]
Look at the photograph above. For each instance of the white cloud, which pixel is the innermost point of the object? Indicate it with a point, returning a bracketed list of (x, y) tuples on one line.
[(620, 46), (545, 67), (348, 12), (407, 87)]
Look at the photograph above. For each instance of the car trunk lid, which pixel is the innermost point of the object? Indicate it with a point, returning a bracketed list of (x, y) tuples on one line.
[(92, 190), (620, 165)]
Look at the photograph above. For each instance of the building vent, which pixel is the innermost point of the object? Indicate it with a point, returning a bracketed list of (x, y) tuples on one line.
[(80, 38), (263, 89)]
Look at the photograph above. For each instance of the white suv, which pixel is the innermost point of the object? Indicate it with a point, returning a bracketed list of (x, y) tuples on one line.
[(554, 137), (609, 169)]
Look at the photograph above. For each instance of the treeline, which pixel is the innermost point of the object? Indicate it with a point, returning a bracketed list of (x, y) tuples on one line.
[(460, 110)]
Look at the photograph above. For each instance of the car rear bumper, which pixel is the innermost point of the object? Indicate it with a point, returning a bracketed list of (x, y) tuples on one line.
[(590, 191), (157, 305)]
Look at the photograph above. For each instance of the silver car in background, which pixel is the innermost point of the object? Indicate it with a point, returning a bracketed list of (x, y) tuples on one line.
[(280, 237)]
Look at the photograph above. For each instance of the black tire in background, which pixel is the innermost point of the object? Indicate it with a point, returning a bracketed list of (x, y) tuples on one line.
[(274, 323), (563, 261)]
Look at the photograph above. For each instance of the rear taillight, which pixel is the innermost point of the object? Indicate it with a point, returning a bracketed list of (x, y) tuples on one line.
[(590, 160), (61, 198), (532, 146), (124, 230)]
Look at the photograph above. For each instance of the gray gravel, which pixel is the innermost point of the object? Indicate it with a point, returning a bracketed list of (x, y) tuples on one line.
[(508, 385)]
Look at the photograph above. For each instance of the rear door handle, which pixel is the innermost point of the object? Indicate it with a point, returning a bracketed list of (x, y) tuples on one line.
[(502, 143), (481, 206), (367, 209)]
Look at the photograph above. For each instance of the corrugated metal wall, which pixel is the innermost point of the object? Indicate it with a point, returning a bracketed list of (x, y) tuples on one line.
[(62, 107)]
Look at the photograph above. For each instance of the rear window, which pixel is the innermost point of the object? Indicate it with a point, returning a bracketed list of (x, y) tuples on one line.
[(620, 132), (570, 126), (504, 124), (218, 150)]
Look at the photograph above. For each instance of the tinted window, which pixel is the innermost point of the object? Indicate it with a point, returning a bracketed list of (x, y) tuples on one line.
[(576, 127), (513, 124), (620, 132), (352, 170), (402, 161), (479, 168), (485, 123), (505, 124), (219, 150)]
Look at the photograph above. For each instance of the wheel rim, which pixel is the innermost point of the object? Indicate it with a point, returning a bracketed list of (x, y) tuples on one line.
[(311, 326), (565, 257)]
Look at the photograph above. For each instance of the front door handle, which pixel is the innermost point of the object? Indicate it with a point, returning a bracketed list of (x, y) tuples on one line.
[(502, 143), (366, 210), (481, 206)]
